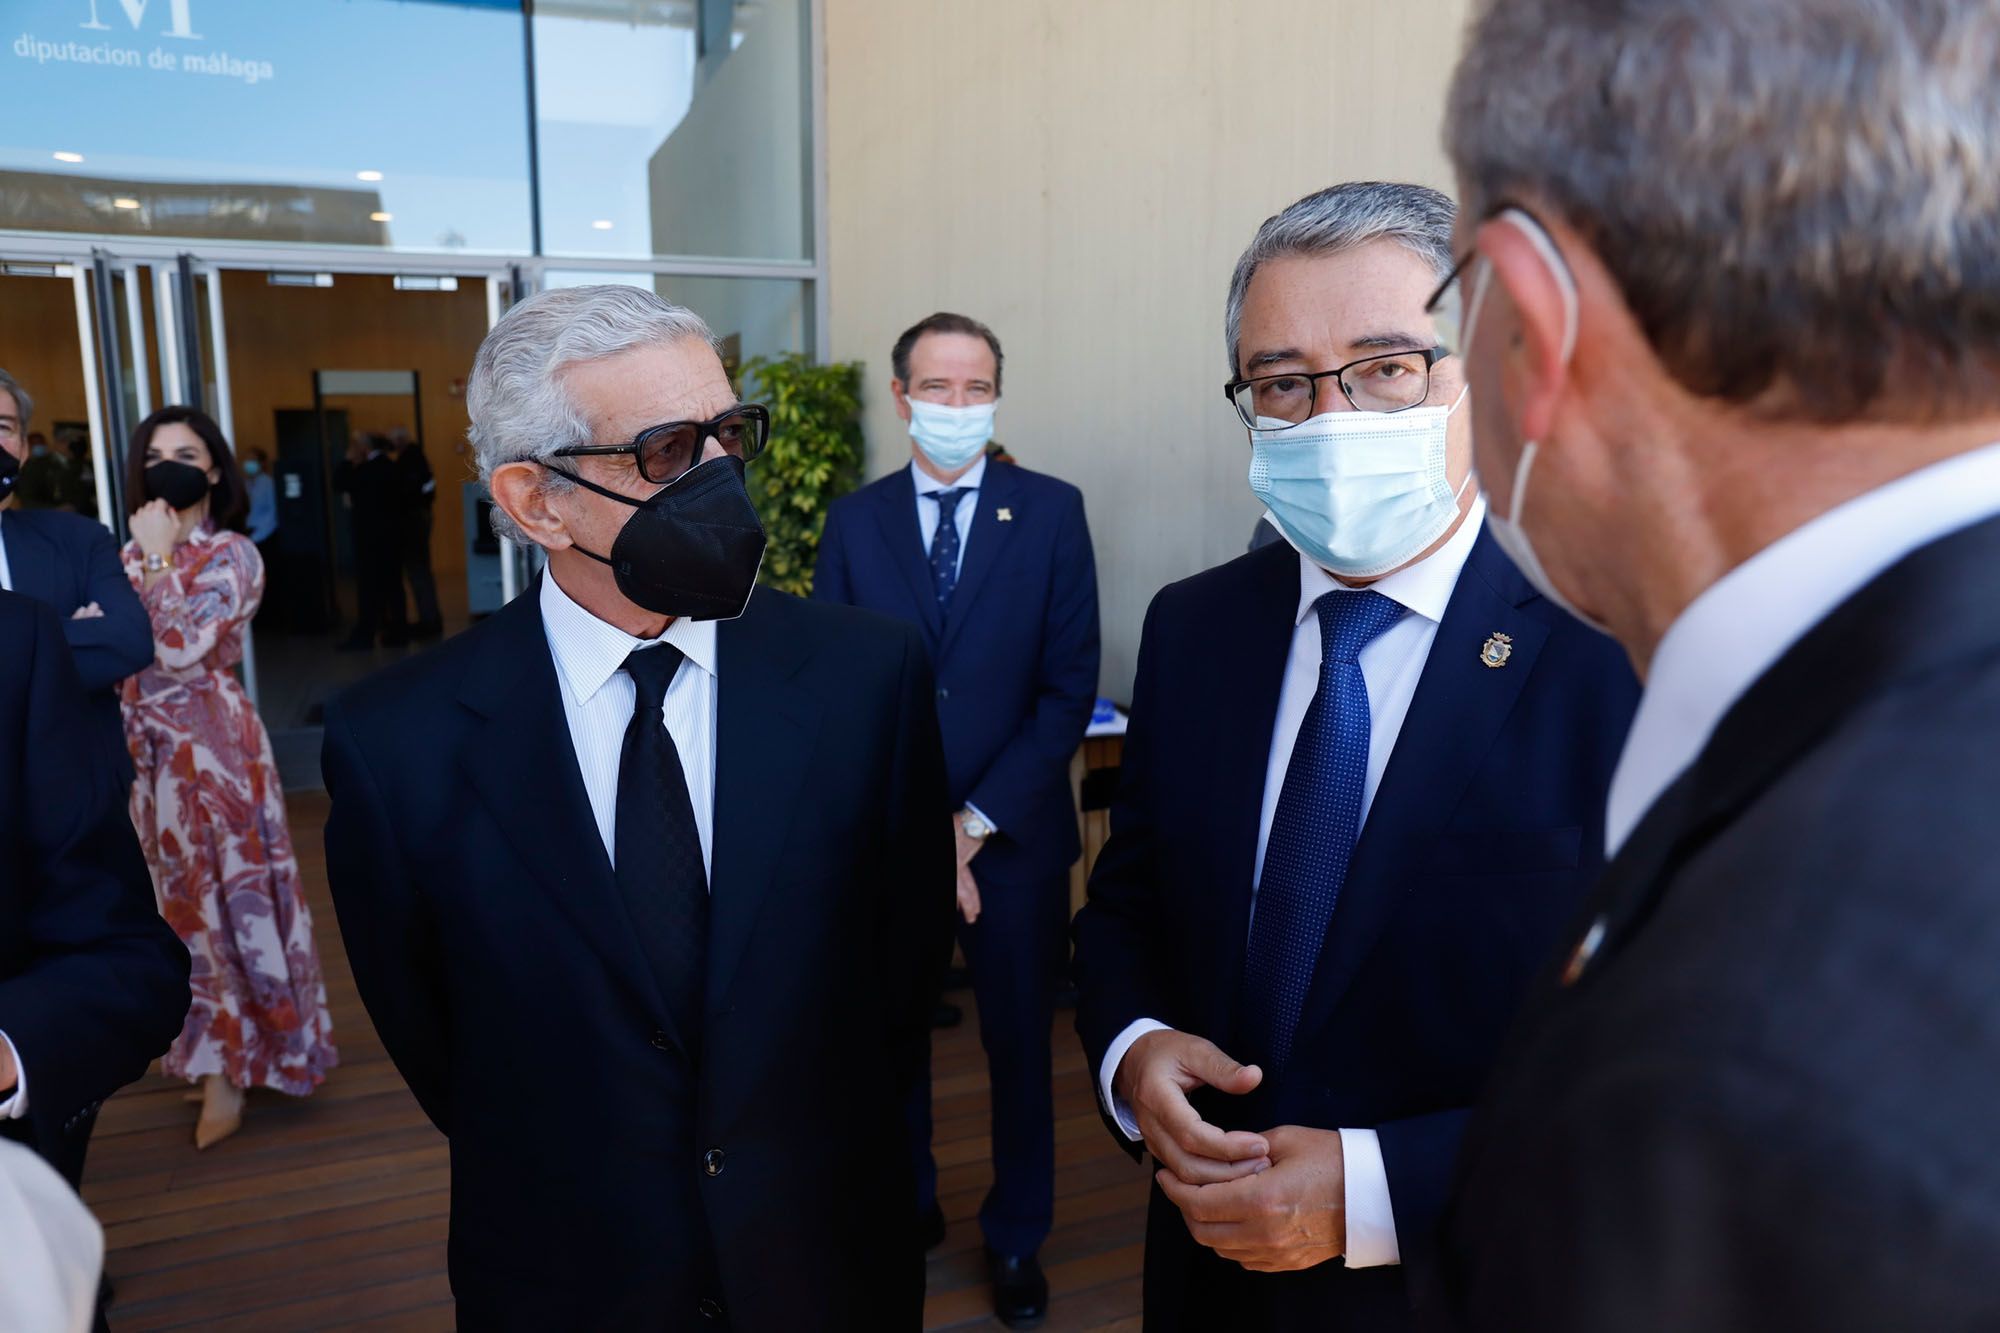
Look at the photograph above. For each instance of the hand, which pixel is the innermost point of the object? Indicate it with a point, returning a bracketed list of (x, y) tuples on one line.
[(1290, 1217), (968, 887), (9, 1075), (1154, 1079), (91, 612), (154, 527)]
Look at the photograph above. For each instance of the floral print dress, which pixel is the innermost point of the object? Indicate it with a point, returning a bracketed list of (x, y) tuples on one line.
[(211, 814)]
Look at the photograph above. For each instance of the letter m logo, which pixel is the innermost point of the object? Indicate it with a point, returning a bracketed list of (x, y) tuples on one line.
[(181, 20)]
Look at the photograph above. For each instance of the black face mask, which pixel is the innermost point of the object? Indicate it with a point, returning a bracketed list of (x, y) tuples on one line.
[(10, 472), (181, 485), (693, 549)]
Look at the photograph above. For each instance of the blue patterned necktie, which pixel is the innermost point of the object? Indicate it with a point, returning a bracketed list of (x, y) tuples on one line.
[(944, 542), (1313, 829)]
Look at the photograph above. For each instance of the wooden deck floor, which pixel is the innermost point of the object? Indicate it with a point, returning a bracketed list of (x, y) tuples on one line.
[(330, 1212)]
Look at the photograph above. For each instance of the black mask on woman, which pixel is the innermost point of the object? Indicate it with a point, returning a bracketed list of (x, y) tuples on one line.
[(10, 472), (691, 550), (181, 485)]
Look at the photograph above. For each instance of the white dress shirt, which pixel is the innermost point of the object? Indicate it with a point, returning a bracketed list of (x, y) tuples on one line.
[(7, 575), (968, 505), (598, 699), (1391, 665), (51, 1248), (1739, 627), (16, 1103)]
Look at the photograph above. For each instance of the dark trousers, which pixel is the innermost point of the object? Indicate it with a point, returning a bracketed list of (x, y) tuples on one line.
[(416, 557), (1015, 954), (378, 587)]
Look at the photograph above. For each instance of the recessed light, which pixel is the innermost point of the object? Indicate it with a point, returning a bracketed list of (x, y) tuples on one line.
[(69, 157), (602, 224), (368, 175), (381, 217), (124, 203)]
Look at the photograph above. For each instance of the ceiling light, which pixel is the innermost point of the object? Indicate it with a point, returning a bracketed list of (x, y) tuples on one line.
[(425, 282), (69, 157), (368, 175), (124, 203), (381, 217), (602, 224), (284, 278)]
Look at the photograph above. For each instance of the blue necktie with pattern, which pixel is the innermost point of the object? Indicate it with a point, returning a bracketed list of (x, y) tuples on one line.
[(944, 543), (1312, 831)]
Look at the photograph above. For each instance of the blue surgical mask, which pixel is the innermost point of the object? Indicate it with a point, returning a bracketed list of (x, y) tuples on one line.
[(39, 450), (1359, 493), (252, 467), (951, 437)]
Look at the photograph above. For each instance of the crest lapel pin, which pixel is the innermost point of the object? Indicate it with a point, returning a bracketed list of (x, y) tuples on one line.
[(1005, 516), (1496, 651)]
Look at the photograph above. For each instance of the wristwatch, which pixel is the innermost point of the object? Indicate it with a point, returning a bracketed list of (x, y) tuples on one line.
[(156, 564), (974, 827)]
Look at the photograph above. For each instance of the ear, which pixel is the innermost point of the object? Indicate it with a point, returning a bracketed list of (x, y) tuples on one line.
[(901, 393), (1536, 364), (521, 491)]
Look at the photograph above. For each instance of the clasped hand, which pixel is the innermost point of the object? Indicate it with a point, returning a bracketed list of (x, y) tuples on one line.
[(1272, 1202)]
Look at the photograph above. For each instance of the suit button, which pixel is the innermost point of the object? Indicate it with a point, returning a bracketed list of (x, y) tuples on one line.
[(661, 1041), (710, 1309), (943, 693), (711, 1161)]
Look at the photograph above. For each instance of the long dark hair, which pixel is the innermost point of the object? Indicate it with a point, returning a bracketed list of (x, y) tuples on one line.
[(228, 498)]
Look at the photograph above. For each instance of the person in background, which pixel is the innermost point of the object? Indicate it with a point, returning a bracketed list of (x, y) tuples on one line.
[(418, 500), (70, 563), (993, 564), (1731, 310), (208, 804), (83, 477), (375, 503), (93, 984), (1362, 793), (261, 526), (51, 1248), (44, 482)]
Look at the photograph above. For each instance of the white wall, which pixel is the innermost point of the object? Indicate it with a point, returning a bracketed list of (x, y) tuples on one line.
[(1082, 174)]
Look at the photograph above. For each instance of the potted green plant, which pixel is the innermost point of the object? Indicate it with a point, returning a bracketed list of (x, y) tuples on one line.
[(813, 459)]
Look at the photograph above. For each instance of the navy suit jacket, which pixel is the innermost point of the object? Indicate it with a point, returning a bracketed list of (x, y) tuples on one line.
[(1484, 835), (594, 1158), (1016, 655), (68, 561), (93, 984)]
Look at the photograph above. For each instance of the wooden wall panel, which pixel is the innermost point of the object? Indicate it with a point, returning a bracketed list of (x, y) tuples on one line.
[(38, 346)]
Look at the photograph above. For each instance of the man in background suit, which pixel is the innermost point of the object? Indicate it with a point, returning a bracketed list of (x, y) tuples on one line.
[(376, 502), (70, 563), (1361, 795), (647, 907), (993, 563), (93, 984), (1738, 393)]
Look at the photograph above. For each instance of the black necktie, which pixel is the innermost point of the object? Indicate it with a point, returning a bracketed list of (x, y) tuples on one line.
[(944, 543), (658, 862)]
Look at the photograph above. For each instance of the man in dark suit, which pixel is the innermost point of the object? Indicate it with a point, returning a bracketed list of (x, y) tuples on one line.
[(1739, 388), (70, 563), (640, 875), (93, 984), (1361, 794), (377, 502), (993, 563)]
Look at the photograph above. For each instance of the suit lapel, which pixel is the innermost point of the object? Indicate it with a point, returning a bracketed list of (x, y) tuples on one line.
[(766, 726), (896, 515), (986, 546), (546, 819), (1254, 636), (1454, 718)]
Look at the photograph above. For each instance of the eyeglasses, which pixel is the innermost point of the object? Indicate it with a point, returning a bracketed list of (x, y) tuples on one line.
[(669, 452), (1392, 382)]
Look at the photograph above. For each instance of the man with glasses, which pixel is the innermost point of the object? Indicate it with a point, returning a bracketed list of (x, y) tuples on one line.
[(640, 876), (1362, 793), (993, 563)]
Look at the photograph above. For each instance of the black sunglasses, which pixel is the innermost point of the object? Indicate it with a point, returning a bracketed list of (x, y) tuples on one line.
[(668, 452)]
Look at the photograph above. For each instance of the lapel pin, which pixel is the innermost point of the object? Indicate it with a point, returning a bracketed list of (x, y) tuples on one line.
[(1496, 650), (1586, 949), (1005, 516)]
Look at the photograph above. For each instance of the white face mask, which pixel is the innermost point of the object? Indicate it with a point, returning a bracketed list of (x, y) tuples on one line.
[(1359, 493), (951, 437), (1506, 528)]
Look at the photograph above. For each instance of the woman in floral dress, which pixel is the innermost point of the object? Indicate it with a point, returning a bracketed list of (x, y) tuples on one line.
[(207, 803)]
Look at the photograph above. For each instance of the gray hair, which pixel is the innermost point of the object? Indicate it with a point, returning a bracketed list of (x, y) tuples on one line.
[(22, 400), (1799, 199), (520, 407), (1343, 217)]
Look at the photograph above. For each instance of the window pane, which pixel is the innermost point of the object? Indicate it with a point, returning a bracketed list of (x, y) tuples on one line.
[(750, 316), (355, 122), (673, 127)]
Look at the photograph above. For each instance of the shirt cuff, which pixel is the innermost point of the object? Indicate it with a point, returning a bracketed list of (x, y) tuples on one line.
[(984, 818), (1371, 1220), (1114, 1105), (15, 1104)]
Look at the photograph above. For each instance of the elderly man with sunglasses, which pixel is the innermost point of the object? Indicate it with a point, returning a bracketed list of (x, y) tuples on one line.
[(1362, 794), (639, 877)]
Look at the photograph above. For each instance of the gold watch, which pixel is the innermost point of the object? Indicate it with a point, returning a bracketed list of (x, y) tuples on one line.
[(158, 564)]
